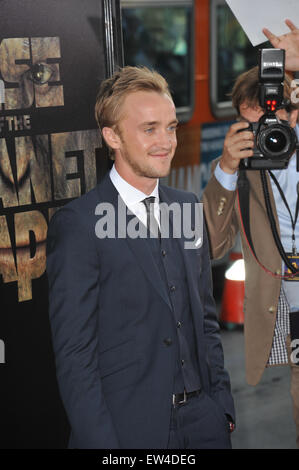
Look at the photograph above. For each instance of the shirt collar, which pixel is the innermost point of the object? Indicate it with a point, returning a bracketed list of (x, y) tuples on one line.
[(129, 193)]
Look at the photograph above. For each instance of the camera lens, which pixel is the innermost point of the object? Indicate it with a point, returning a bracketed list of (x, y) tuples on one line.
[(276, 142)]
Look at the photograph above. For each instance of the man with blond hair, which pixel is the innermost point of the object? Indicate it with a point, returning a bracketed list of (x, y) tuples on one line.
[(138, 352)]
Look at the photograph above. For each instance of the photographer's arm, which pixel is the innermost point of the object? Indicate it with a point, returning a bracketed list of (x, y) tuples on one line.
[(289, 42), (219, 195), (237, 145), (221, 221)]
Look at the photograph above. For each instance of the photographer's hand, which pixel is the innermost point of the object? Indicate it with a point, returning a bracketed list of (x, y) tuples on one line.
[(237, 145), (289, 42)]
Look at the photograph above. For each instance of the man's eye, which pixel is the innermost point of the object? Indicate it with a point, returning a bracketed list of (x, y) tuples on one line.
[(40, 73), (172, 128), (149, 130)]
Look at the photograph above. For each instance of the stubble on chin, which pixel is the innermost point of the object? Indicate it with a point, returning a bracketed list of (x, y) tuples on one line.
[(148, 171)]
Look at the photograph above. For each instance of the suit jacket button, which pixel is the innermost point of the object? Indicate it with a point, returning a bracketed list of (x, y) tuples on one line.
[(272, 309), (168, 341)]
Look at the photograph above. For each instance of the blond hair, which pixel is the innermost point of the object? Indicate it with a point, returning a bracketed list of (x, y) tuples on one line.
[(115, 89)]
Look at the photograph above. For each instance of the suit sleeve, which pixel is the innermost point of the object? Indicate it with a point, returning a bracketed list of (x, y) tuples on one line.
[(219, 378), (219, 381), (220, 215), (73, 269)]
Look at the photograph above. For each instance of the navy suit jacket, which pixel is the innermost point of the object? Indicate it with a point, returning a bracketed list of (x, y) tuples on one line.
[(109, 313)]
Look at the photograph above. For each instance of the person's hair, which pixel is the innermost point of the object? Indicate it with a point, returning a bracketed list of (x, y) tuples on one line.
[(246, 90), (115, 89)]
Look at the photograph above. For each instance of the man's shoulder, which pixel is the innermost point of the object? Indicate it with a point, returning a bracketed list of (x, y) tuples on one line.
[(178, 195), (88, 201), (84, 207), (85, 201)]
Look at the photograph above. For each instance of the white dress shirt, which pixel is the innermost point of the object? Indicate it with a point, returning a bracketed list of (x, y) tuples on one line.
[(133, 198)]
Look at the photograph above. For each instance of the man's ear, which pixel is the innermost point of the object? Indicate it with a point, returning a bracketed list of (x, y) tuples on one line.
[(293, 116), (111, 138)]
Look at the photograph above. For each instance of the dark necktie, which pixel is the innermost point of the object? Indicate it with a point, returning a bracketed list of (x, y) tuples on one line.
[(151, 222)]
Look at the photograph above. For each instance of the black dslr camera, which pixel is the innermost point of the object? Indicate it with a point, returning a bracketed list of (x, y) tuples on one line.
[(274, 140)]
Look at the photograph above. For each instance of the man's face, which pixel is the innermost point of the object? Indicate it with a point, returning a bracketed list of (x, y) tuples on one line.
[(254, 113), (146, 136)]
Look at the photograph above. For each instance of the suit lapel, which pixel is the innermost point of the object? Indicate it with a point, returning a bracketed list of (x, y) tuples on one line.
[(140, 247)]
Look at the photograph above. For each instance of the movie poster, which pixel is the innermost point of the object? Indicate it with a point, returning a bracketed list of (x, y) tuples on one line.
[(52, 60)]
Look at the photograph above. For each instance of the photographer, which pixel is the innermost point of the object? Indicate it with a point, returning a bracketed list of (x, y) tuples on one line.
[(268, 296)]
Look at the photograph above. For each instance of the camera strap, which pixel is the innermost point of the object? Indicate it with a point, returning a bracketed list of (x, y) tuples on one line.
[(243, 201), (273, 224), (243, 194), (293, 219)]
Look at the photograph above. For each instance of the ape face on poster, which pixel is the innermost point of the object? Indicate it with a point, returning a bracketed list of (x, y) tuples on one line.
[(52, 61)]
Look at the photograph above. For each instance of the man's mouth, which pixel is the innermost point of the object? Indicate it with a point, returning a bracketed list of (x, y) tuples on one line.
[(160, 155)]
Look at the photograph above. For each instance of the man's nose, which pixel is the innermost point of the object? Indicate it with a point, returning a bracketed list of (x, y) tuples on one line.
[(166, 139)]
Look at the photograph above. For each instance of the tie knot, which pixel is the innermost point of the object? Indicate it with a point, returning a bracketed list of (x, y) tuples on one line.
[(148, 201), (151, 221)]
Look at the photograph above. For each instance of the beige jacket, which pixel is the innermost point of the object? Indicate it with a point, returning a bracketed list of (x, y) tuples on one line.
[(261, 289)]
